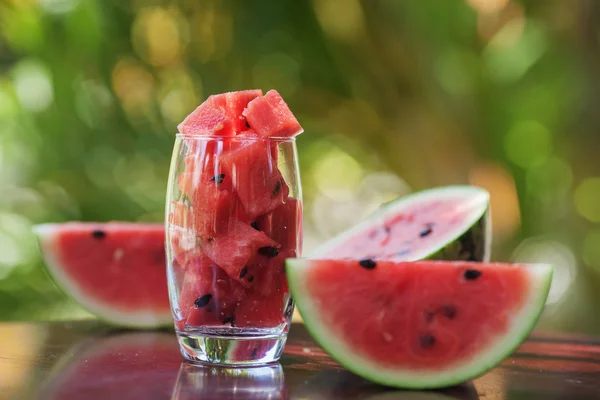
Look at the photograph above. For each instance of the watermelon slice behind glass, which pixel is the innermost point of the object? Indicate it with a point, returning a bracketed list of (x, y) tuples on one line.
[(445, 223), (116, 270), (426, 324)]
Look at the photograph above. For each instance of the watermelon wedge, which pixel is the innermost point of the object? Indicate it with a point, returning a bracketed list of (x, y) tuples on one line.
[(116, 270), (445, 223), (427, 324)]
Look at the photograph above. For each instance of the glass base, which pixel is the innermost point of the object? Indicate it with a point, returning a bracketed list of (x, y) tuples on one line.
[(231, 350)]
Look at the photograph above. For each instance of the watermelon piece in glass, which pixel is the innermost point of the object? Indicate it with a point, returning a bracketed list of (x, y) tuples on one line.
[(256, 178)]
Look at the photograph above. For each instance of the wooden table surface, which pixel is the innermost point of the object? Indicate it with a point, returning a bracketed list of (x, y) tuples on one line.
[(88, 360)]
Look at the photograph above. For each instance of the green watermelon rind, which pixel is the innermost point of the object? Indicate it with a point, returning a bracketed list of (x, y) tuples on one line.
[(151, 320), (448, 249), (522, 325)]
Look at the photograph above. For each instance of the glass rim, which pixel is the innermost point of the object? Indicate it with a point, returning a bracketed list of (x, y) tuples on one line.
[(241, 138)]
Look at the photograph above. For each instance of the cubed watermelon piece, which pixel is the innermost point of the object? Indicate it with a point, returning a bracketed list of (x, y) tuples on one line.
[(283, 224), (265, 274), (256, 178), (232, 250), (232, 104), (213, 210), (206, 120), (269, 115), (258, 311), (208, 295)]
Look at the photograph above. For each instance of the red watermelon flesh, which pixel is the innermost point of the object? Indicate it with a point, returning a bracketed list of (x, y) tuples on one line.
[(256, 179), (269, 115), (208, 295), (261, 311), (232, 104), (115, 269), (232, 250), (283, 224), (206, 120)]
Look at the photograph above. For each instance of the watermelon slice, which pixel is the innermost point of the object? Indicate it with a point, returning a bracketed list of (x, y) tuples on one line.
[(116, 270), (283, 224), (269, 115), (446, 223), (422, 324)]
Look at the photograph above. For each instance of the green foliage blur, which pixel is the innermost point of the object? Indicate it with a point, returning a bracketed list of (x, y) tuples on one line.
[(394, 96)]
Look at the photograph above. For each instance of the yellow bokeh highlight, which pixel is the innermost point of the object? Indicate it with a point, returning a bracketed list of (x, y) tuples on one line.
[(132, 84), (337, 175), (341, 19), (587, 199), (157, 35), (504, 202), (528, 143)]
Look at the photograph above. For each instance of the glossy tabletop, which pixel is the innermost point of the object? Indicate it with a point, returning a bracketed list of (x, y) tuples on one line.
[(88, 360)]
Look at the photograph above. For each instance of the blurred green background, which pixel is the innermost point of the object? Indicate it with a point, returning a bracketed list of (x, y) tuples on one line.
[(394, 96)]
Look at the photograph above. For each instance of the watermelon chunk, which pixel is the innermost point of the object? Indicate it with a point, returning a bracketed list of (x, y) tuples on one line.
[(213, 210), (232, 250), (269, 115), (116, 270), (283, 224), (418, 324), (232, 104), (256, 179), (206, 120), (208, 295), (446, 223)]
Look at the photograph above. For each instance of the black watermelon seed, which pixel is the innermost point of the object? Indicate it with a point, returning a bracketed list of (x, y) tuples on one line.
[(426, 231), (247, 124), (254, 225), (228, 320), (367, 263), (268, 251), (243, 272), (429, 316), (98, 234), (426, 341), (253, 355), (472, 274), (250, 278), (203, 301), (448, 311), (218, 178), (277, 188)]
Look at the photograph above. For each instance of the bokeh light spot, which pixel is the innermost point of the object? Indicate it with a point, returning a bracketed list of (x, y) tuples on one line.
[(550, 180), (157, 35), (337, 174), (528, 143), (341, 19), (33, 85), (504, 202), (587, 199), (539, 250)]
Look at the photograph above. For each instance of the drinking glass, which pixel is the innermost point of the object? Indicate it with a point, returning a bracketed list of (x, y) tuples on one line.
[(233, 215)]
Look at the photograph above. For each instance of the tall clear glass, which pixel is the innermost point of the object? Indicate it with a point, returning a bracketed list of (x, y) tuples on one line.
[(233, 215)]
